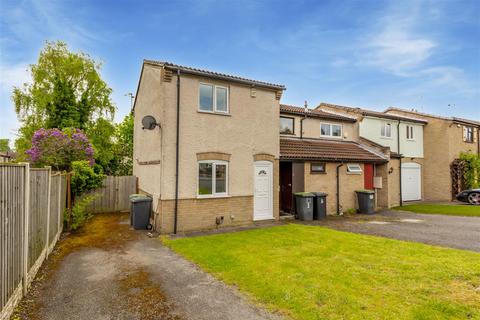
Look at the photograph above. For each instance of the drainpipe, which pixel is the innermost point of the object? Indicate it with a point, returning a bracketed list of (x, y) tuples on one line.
[(400, 167), (177, 149), (338, 188)]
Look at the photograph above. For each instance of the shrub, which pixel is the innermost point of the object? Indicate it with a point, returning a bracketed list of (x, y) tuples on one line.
[(79, 213), (84, 178), (58, 149)]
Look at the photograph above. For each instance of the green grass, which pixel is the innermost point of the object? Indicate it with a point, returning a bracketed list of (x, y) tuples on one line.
[(309, 272), (451, 210)]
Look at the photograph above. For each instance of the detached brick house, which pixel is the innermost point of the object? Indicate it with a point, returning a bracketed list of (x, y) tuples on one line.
[(444, 139)]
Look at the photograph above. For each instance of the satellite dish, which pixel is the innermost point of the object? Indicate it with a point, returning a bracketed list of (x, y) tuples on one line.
[(149, 123)]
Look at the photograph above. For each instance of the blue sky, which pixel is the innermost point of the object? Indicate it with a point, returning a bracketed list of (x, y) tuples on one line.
[(372, 54)]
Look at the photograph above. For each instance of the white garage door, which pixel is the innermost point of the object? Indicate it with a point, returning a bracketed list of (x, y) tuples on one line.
[(411, 181)]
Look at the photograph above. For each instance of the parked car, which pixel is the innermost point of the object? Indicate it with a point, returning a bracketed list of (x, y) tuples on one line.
[(471, 196)]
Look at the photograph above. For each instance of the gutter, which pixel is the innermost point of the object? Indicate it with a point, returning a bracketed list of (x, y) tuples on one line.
[(338, 188), (177, 151)]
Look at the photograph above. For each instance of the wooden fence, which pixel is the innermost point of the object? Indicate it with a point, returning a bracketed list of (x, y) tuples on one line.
[(114, 195), (32, 202)]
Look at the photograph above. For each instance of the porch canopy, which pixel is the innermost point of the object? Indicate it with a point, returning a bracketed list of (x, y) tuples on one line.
[(328, 150)]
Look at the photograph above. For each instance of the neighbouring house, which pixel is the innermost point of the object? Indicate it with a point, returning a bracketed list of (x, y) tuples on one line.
[(404, 137), (5, 157), (444, 139), (210, 155), (321, 152)]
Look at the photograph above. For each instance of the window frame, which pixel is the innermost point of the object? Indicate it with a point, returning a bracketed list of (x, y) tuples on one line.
[(410, 132), (467, 138), (214, 107), (355, 171), (331, 131), (384, 127), (324, 171), (214, 194), (293, 125)]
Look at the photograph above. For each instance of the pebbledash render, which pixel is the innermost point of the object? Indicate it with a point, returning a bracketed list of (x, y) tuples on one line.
[(225, 130)]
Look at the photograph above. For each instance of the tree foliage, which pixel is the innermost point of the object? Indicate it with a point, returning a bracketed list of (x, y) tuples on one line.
[(124, 146), (66, 92), (472, 172), (4, 145), (84, 178)]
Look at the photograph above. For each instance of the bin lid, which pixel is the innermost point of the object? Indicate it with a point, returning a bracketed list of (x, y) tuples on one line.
[(142, 198), (304, 194), (365, 191), (320, 194), (136, 195)]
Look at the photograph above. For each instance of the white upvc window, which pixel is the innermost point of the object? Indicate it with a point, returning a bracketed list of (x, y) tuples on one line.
[(213, 98), (354, 168), (468, 134), (330, 130), (386, 130), (410, 135), (212, 178)]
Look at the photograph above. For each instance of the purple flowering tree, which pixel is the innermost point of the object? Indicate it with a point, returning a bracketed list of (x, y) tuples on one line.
[(58, 149)]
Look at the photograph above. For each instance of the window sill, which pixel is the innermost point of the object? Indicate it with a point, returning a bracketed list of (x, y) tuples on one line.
[(215, 113), (210, 196), (313, 172), (330, 137), (355, 173), (287, 134), (386, 138)]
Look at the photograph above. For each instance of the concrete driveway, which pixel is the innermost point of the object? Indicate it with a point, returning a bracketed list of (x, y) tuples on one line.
[(109, 271), (442, 230)]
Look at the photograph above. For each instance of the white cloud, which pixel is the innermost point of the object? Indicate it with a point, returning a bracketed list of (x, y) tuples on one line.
[(13, 75), (398, 51)]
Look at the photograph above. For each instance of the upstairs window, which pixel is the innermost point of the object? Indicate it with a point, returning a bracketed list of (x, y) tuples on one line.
[(468, 134), (354, 168), (213, 98), (212, 178), (410, 133), (386, 130), (287, 125), (330, 130)]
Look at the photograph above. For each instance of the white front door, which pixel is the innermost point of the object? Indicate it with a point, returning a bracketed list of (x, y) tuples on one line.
[(263, 190), (411, 181)]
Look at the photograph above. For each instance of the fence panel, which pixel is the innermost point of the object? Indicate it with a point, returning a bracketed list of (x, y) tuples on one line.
[(12, 220), (114, 195), (37, 231), (53, 219)]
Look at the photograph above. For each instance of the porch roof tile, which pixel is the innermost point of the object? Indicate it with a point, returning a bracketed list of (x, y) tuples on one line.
[(327, 150)]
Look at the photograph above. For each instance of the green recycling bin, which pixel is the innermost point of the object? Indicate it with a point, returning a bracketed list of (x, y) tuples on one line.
[(319, 205), (366, 201), (304, 205)]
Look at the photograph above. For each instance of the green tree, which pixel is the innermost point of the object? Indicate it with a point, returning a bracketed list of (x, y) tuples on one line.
[(4, 145), (124, 146), (66, 91)]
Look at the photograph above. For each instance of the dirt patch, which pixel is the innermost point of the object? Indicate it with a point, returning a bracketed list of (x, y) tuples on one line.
[(129, 289)]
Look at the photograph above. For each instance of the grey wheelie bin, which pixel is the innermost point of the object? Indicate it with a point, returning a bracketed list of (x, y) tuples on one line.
[(304, 205), (133, 196), (366, 201), (319, 205), (141, 206)]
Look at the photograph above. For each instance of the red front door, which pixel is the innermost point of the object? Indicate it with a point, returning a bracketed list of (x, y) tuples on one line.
[(368, 176)]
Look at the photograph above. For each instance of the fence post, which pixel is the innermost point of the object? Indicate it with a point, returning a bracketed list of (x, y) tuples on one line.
[(69, 200), (59, 204), (49, 193), (26, 227)]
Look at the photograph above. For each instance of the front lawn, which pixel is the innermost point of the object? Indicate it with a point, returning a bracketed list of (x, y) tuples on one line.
[(310, 272), (451, 210)]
